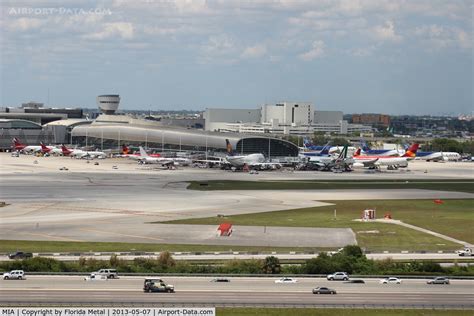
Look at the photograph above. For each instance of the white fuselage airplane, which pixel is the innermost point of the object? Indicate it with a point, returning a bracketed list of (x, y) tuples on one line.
[(78, 153), (144, 158), (18, 146), (50, 150), (390, 162), (249, 160)]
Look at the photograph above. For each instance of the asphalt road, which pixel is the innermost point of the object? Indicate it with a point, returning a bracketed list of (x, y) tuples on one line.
[(44, 290), (246, 256)]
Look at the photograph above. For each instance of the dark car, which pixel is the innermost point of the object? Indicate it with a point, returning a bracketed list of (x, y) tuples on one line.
[(438, 280), (359, 281), (157, 285), (20, 255), (323, 290), (220, 280)]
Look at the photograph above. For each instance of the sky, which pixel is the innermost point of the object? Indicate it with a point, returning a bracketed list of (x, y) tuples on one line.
[(380, 56)]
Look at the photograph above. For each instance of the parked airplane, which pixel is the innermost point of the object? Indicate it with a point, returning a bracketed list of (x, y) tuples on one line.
[(451, 156), (331, 162), (324, 151), (430, 156), (18, 146), (378, 152), (373, 162), (309, 149), (309, 146), (78, 153), (144, 158), (253, 161), (50, 149), (127, 153)]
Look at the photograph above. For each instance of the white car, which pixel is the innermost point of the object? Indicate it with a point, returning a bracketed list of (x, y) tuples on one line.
[(391, 280), (96, 277), (338, 276), (286, 280), (14, 275)]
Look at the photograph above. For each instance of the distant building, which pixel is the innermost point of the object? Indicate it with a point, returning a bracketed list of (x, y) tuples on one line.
[(32, 105), (371, 119), (287, 118), (328, 117)]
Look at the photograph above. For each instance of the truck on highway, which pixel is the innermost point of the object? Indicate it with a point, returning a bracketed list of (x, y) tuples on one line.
[(157, 285), (466, 252)]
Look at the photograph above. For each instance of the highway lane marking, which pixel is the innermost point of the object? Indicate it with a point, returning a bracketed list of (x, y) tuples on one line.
[(119, 234), (296, 292), (62, 238)]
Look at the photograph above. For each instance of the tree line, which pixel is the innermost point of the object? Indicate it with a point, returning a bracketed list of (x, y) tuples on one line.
[(351, 260)]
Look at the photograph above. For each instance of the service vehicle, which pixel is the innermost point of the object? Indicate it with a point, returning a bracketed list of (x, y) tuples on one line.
[(466, 252), (20, 255), (157, 285), (390, 280), (338, 276), (14, 275), (438, 280), (323, 290), (286, 280), (109, 273)]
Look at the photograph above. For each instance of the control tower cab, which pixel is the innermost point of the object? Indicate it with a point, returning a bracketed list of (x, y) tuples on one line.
[(108, 103)]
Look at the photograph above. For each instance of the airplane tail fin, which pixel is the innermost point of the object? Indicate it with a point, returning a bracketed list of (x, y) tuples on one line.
[(343, 154), (325, 150), (357, 153), (229, 147), (17, 144), (65, 150), (411, 152), (125, 150), (43, 147), (143, 152), (306, 142), (365, 146)]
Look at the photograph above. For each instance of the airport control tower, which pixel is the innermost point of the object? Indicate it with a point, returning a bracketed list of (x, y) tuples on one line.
[(108, 103)]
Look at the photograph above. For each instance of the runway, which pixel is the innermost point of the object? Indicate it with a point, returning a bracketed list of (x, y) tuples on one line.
[(97, 203), (54, 290)]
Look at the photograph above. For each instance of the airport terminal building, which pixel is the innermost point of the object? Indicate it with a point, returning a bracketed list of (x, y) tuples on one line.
[(111, 130)]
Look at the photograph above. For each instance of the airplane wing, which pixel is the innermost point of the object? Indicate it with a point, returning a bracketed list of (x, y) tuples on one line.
[(370, 163)]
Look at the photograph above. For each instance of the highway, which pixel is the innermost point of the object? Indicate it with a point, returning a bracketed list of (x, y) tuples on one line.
[(193, 291)]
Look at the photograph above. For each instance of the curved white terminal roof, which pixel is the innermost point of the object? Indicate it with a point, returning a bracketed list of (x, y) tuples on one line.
[(69, 122), (175, 136)]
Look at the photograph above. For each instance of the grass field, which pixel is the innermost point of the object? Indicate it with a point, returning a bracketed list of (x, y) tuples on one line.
[(453, 218), (443, 185), (71, 246), (335, 312)]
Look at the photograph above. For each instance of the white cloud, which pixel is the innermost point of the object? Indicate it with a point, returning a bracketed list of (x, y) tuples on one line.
[(256, 51), (25, 24), (117, 29), (316, 51), (363, 51), (386, 32), (440, 37)]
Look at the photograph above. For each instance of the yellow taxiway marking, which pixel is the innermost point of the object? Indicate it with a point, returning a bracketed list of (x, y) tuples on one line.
[(119, 234)]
